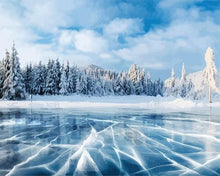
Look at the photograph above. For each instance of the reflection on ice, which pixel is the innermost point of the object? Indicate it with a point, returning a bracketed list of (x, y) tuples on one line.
[(70, 142)]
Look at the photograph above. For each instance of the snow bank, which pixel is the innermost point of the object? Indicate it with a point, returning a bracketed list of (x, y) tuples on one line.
[(108, 101)]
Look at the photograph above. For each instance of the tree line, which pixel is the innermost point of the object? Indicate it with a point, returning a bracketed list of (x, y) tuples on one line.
[(55, 78)]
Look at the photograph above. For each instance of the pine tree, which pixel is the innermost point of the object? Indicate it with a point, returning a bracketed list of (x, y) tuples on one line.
[(99, 87), (81, 86), (108, 87), (149, 87), (183, 74), (39, 81), (67, 70), (72, 79), (14, 82), (90, 85), (57, 76), (118, 85), (127, 85), (143, 81), (7, 80), (50, 80), (107, 84), (138, 79), (160, 92), (2, 77), (63, 82), (158, 88), (171, 86), (183, 83), (210, 71), (28, 79), (172, 78), (43, 79)]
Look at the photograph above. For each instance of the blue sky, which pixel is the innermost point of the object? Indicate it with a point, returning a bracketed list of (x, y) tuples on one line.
[(155, 34)]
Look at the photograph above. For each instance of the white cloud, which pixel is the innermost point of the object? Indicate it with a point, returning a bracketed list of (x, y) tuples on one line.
[(144, 53), (187, 36), (89, 41), (105, 56), (124, 26), (176, 3), (67, 37), (84, 40), (51, 15), (181, 41)]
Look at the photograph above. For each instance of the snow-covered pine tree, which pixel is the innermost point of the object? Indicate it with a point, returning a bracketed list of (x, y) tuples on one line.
[(72, 79), (7, 79), (57, 76), (108, 87), (158, 88), (132, 73), (183, 83), (183, 74), (28, 78), (14, 88), (43, 79), (81, 86), (138, 88), (2, 77), (107, 84), (124, 83), (210, 71), (118, 85), (136, 75), (39, 81), (50, 80), (172, 78), (35, 82), (183, 89), (143, 81), (171, 86), (99, 87), (67, 69), (185, 86), (149, 86), (133, 76), (90, 85), (190, 89), (127, 85), (63, 82)]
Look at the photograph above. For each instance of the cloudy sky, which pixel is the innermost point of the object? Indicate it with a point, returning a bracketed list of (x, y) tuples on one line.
[(155, 34)]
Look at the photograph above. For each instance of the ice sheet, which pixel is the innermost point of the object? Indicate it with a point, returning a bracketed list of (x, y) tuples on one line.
[(123, 142)]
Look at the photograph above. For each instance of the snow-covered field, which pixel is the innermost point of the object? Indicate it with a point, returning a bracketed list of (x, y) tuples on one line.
[(77, 101)]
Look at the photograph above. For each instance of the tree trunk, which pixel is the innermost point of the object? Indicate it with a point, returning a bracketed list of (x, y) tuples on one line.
[(210, 94)]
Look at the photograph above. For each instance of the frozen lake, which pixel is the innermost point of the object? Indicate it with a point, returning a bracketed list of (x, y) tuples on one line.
[(116, 141)]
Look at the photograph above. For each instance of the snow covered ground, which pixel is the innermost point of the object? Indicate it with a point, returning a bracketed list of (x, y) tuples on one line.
[(77, 101)]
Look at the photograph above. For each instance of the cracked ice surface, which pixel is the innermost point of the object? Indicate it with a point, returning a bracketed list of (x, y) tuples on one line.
[(109, 142)]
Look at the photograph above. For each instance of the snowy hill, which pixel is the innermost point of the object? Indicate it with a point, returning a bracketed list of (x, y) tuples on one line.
[(198, 90), (93, 67), (205, 83), (200, 83), (199, 80)]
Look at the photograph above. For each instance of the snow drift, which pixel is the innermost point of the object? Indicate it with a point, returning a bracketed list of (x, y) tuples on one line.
[(77, 101)]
